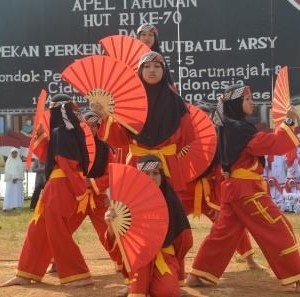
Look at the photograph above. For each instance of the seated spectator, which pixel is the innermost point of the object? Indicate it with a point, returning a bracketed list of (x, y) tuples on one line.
[(275, 191), (291, 195), (278, 168)]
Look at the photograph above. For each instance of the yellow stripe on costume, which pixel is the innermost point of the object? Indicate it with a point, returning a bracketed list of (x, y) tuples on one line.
[(243, 173), (57, 173), (290, 133), (84, 200), (205, 275), (27, 275), (290, 280), (168, 150), (160, 262), (75, 277), (290, 250)]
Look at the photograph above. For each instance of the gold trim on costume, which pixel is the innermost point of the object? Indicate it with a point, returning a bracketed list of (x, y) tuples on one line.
[(289, 250), (29, 276), (75, 277), (160, 262), (136, 295), (247, 254), (205, 275), (290, 133), (290, 280), (263, 211), (168, 150), (94, 185)]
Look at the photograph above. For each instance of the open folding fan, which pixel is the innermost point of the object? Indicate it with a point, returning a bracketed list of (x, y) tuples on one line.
[(124, 48), (37, 121), (112, 85), (142, 215), (281, 99), (46, 121), (195, 157)]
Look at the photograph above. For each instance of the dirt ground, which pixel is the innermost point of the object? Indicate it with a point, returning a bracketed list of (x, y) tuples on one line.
[(237, 281)]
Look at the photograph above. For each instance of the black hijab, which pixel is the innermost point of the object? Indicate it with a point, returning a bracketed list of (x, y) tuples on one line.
[(66, 136), (235, 131), (178, 221), (165, 107)]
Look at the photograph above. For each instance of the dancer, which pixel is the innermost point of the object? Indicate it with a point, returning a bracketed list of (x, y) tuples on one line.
[(168, 128), (151, 279), (148, 34), (245, 202), (49, 232)]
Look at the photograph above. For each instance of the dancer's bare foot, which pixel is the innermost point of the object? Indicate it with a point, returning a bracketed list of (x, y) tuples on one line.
[(52, 268), (81, 283), (194, 281), (16, 281), (123, 292), (297, 289), (252, 264)]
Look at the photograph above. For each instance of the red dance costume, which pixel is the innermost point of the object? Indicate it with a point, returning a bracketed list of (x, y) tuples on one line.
[(203, 197), (117, 137), (152, 279), (50, 235), (247, 204)]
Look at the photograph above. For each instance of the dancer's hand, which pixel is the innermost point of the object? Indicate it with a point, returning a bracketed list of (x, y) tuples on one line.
[(109, 216), (293, 114)]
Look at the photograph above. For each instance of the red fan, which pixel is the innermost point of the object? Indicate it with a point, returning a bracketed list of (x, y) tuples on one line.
[(113, 87), (142, 215), (37, 121), (281, 101), (124, 48), (90, 143), (46, 121), (195, 157)]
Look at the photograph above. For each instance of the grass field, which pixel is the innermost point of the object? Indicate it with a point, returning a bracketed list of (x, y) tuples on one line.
[(237, 281)]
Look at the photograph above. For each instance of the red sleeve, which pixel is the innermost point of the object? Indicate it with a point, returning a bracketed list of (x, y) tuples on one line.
[(278, 143), (113, 133), (70, 168)]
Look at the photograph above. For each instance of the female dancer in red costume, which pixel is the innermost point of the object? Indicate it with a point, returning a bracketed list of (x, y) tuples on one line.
[(245, 201)]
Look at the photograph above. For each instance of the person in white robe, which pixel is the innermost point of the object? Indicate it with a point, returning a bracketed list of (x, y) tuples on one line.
[(13, 176), (275, 192), (279, 168), (291, 195)]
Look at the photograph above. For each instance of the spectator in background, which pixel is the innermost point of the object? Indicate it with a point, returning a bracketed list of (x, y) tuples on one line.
[(275, 192), (278, 168), (27, 127), (13, 176), (148, 34), (291, 195), (39, 168)]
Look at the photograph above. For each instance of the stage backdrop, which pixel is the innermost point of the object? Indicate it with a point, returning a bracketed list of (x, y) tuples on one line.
[(207, 43)]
